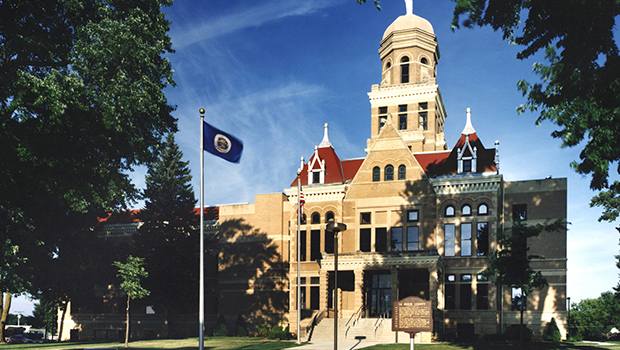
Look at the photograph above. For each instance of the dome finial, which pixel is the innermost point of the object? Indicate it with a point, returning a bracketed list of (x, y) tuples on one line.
[(409, 7), (325, 142), (469, 128)]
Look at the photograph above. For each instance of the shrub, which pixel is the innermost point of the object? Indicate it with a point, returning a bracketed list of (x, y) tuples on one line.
[(552, 332), (275, 333), (262, 330), (221, 330), (240, 328)]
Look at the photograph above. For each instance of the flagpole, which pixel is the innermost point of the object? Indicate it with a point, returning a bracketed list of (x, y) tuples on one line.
[(201, 302), (298, 251)]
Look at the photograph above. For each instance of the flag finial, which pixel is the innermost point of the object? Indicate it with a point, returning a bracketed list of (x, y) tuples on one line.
[(409, 7)]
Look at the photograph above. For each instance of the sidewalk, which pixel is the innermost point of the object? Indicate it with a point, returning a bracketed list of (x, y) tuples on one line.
[(342, 345)]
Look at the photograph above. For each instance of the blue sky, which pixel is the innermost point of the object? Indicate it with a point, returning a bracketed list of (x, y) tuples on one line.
[(273, 72)]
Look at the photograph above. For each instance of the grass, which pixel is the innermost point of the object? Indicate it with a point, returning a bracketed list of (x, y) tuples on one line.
[(233, 343), (217, 343)]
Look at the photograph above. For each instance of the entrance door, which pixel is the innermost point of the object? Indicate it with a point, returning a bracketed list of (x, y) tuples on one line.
[(379, 295)]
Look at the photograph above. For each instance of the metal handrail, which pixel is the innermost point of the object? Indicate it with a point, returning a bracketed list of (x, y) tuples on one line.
[(315, 320), (355, 317), (382, 316)]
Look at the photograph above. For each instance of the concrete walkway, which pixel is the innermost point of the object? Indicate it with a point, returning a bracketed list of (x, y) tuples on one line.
[(342, 345)]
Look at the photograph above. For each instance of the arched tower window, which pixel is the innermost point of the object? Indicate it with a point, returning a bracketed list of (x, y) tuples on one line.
[(388, 173), (376, 174), (329, 216), (466, 210), (483, 209), (402, 172), (316, 218), (424, 61), (449, 211), (404, 70)]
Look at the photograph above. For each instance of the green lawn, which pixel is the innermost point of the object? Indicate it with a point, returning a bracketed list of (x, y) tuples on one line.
[(178, 344), (260, 344)]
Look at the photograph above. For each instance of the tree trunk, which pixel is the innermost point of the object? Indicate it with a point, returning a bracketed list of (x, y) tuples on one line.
[(5, 313), (64, 307), (523, 303), (127, 323)]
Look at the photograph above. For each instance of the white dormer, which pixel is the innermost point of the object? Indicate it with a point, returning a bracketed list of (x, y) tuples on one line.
[(316, 169), (467, 157)]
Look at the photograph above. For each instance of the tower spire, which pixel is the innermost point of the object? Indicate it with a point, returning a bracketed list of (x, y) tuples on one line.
[(325, 142), (469, 128), (409, 7)]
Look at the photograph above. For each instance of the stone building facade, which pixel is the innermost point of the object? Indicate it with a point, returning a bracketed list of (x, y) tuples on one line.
[(421, 218)]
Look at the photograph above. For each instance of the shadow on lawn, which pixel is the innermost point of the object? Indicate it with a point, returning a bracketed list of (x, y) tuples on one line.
[(529, 346)]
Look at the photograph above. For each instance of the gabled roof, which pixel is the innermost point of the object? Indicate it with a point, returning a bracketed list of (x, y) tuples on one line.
[(336, 171), (445, 163)]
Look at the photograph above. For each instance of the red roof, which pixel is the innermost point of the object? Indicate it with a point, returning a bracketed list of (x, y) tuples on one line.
[(445, 163), (336, 171), (129, 216)]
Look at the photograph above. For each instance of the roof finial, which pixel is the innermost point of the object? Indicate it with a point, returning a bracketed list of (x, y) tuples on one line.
[(469, 129), (325, 142), (409, 7)]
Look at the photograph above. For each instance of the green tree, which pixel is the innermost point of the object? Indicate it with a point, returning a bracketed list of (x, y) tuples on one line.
[(81, 104), (132, 273), (511, 264), (46, 315), (168, 238), (579, 87), (590, 318)]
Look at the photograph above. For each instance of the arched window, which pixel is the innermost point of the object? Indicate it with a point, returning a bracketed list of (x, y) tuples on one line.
[(402, 172), (483, 209), (388, 65), (376, 174), (466, 210), (404, 70), (316, 218), (449, 211), (329, 216), (424, 61), (388, 173)]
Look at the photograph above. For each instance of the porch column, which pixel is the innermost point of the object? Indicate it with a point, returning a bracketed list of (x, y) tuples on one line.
[(359, 287), (434, 287), (323, 289)]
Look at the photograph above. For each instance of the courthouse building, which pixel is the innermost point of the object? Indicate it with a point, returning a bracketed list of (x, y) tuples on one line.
[(422, 216)]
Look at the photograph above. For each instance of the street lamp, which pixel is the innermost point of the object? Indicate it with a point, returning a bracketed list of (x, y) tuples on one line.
[(335, 227)]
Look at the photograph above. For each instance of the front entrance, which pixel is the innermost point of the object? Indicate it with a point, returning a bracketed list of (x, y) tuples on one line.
[(378, 293)]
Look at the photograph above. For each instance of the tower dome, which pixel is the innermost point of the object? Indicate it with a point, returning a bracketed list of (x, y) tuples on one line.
[(407, 22)]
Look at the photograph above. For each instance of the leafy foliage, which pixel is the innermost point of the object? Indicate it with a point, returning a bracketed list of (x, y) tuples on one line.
[(46, 315), (132, 273), (168, 238), (590, 318), (511, 265), (579, 88), (81, 103), (552, 332)]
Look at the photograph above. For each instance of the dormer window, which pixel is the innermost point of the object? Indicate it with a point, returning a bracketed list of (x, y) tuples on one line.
[(316, 177), (467, 165), (388, 173)]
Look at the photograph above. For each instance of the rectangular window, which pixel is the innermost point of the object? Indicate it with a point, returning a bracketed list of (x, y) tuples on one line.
[(519, 212), (412, 215), (467, 165), (365, 218), (466, 239), (329, 242), (482, 296), (465, 298), (402, 117), (413, 238), (382, 117), (314, 297), (302, 246), (450, 296), (315, 245), (381, 239), (302, 297), (482, 239), (365, 239), (423, 106), (423, 121), (449, 239), (397, 238), (316, 177)]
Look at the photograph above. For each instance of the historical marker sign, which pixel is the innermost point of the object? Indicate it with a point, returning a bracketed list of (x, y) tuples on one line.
[(412, 315)]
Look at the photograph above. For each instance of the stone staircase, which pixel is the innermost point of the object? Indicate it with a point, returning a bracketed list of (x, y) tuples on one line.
[(365, 329)]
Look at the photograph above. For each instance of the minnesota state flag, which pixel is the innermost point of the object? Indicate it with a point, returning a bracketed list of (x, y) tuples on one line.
[(221, 144)]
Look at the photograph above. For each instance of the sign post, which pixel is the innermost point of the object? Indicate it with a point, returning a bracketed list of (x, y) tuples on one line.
[(412, 315)]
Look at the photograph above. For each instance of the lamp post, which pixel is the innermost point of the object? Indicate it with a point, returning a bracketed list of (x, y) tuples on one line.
[(335, 227)]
